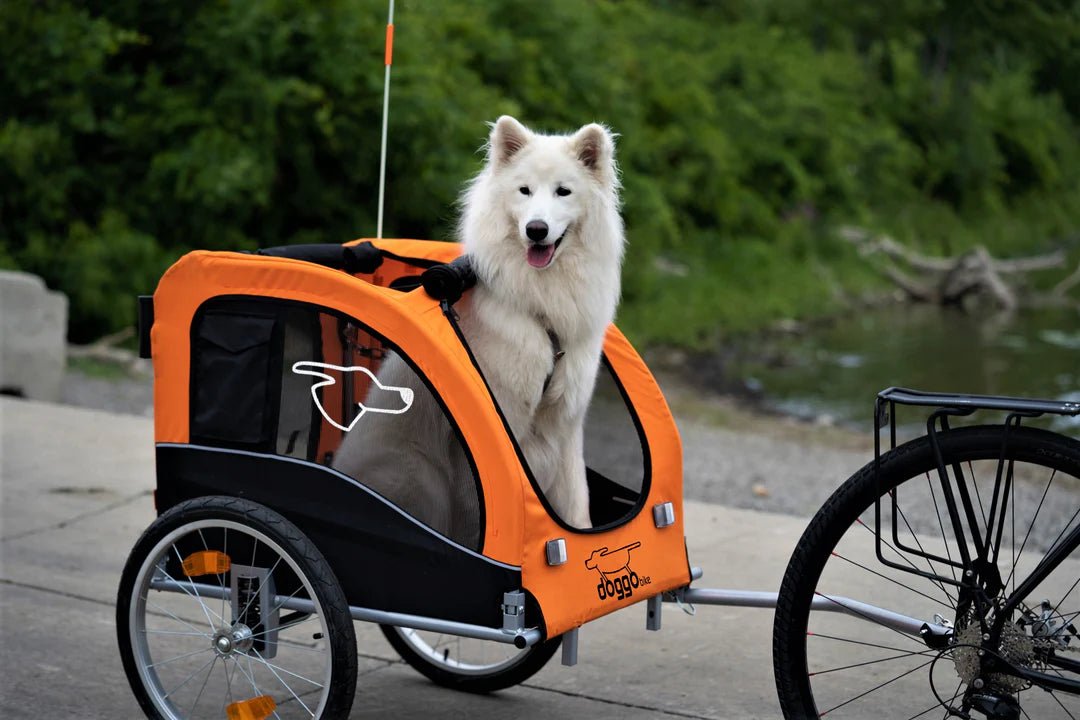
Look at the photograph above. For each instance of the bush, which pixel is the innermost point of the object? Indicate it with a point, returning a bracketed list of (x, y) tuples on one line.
[(136, 131)]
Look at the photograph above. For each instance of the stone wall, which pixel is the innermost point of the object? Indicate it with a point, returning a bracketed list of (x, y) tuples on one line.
[(33, 332)]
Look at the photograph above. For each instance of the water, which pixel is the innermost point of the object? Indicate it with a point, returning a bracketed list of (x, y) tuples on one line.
[(835, 370)]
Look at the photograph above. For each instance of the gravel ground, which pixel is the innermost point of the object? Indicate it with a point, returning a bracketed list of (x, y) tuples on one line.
[(732, 456)]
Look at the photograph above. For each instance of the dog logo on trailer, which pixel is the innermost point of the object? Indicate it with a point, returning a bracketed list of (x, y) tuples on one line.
[(319, 370), (617, 579)]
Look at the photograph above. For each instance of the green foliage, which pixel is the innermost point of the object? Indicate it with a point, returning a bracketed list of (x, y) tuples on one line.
[(134, 131)]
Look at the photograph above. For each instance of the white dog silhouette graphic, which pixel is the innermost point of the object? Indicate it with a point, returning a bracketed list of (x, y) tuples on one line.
[(316, 369)]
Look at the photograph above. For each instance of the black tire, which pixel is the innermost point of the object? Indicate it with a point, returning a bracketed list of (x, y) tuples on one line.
[(842, 665), (509, 667), (161, 633)]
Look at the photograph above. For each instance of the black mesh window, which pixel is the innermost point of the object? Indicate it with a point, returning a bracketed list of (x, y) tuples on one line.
[(294, 380), (613, 453)]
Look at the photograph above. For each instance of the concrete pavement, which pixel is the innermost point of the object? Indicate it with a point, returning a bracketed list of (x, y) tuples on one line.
[(75, 487)]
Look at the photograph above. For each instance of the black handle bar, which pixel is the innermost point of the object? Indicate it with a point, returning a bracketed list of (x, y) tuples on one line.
[(361, 258), (449, 282)]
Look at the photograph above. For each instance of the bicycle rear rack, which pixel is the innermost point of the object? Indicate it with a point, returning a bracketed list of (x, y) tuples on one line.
[(952, 476)]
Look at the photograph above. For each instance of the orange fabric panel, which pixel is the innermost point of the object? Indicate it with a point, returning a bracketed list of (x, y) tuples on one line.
[(610, 570), (413, 321)]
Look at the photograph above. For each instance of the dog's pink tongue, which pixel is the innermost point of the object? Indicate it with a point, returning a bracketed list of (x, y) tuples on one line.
[(540, 255)]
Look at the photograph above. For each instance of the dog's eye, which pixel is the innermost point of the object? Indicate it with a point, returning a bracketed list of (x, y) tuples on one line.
[(562, 191), (524, 190)]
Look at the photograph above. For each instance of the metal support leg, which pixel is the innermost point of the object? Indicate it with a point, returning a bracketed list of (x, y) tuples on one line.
[(569, 647), (653, 607)]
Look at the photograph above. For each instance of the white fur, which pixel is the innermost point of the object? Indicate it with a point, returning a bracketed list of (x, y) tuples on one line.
[(506, 319), (507, 315)]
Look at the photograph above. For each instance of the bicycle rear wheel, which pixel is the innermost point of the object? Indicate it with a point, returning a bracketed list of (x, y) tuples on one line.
[(846, 664)]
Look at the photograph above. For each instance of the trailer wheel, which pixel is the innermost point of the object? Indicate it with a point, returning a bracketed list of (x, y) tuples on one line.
[(468, 665), (226, 608)]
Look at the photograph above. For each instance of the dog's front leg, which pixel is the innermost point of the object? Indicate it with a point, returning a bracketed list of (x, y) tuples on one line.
[(571, 485)]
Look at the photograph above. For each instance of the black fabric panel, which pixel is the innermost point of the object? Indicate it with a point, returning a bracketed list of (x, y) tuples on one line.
[(233, 384), (382, 559), (609, 502), (145, 321)]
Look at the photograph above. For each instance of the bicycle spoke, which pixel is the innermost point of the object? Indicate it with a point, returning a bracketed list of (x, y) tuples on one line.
[(893, 581), (229, 698), (284, 684), (282, 628), (206, 610), (948, 703), (1031, 525), (978, 496), (855, 642), (189, 677), (179, 657), (876, 688), (287, 672), (202, 689), (904, 557), (174, 632), (1054, 697), (941, 525), (867, 618), (913, 653), (182, 622), (1067, 594), (250, 675), (270, 573)]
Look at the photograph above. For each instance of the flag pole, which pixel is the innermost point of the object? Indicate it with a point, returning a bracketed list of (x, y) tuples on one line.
[(385, 114)]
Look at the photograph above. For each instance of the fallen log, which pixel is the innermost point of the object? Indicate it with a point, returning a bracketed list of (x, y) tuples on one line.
[(973, 276)]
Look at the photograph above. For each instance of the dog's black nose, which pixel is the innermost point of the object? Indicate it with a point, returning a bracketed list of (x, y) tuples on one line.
[(537, 230)]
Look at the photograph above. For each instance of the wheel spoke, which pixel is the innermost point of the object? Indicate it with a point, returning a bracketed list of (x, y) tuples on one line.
[(287, 672), (284, 684), (179, 657), (894, 581), (194, 586), (876, 688), (915, 536), (189, 677), (202, 689), (281, 628), (162, 610), (1031, 525), (852, 666), (941, 525), (1061, 705)]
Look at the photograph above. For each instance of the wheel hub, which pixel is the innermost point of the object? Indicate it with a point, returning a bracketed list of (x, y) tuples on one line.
[(238, 639), (1016, 647)]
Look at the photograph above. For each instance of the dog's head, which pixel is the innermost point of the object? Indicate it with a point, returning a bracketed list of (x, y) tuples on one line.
[(548, 186)]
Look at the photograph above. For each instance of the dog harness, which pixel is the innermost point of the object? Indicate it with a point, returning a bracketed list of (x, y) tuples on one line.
[(556, 353)]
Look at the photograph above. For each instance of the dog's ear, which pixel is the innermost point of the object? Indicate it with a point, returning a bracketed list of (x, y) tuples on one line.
[(508, 136), (594, 147)]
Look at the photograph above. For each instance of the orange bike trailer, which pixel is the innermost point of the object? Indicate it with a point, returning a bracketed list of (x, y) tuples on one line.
[(239, 411)]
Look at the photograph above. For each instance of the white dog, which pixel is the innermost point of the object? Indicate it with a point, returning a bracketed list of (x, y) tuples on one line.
[(541, 223)]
